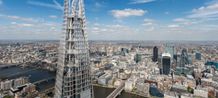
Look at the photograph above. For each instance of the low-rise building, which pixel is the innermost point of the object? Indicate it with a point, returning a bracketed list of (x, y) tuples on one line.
[(201, 93), (129, 85), (103, 80)]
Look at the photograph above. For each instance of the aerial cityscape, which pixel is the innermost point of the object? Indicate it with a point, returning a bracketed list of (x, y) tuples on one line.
[(108, 49)]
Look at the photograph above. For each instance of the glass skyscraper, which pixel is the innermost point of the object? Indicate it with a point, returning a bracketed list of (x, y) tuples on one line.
[(155, 54), (166, 63), (73, 79)]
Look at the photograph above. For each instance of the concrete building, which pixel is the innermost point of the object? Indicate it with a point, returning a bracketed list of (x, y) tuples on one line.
[(103, 80), (25, 91), (129, 85), (6, 85), (13, 83), (200, 93), (143, 89), (20, 81)]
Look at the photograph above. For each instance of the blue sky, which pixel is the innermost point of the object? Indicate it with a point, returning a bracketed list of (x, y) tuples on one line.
[(114, 19)]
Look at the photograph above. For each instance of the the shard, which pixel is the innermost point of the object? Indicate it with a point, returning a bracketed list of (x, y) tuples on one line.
[(73, 79)]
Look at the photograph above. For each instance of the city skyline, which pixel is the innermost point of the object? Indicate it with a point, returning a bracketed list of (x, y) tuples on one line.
[(113, 20)]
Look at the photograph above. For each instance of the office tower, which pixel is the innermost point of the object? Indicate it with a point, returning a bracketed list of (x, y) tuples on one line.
[(166, 63), (198, 56), (124, 51), (169, 48), (73, 79), (138, 58), (155, 54), (190, 59), (184, 58)]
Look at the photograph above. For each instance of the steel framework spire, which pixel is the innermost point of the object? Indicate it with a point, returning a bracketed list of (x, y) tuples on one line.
[(73, 79)]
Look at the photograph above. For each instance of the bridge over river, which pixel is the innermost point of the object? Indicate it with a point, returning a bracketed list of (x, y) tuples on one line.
[(117, 91)]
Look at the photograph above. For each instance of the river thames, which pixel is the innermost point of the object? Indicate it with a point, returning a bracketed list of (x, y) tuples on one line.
[(39, 74)]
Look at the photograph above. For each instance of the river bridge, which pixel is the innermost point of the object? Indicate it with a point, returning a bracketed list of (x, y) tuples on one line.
[(48, 90), (117, 91), (44, 80), (8, 66), (19, 73)]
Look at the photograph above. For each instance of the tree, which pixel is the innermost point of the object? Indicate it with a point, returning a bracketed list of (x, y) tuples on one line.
[(190, 90), (7, 96)]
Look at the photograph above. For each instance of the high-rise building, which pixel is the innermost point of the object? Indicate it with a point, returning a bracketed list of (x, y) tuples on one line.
[(138, 58), (198, 56), (73, 79), (184, 58), (169, 48), (166, 63), (155, 54)]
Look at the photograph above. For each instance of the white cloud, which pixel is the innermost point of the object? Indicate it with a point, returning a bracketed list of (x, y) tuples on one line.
[(30, 31), (28, 28), (149, 25), (18, 18), (204, 15), (13, 23), (14, 17), (21, 25), (96, 24), (58, 5), (96, 28), (112, 31), (156, 31), (53, 16), (185, 21), (180, 20), (150, 28), (26, 25), (55, 4), (173, 26), (141, 1), (201, 22), (128, 12), (153, 32), (208, 11), (148, 22)]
